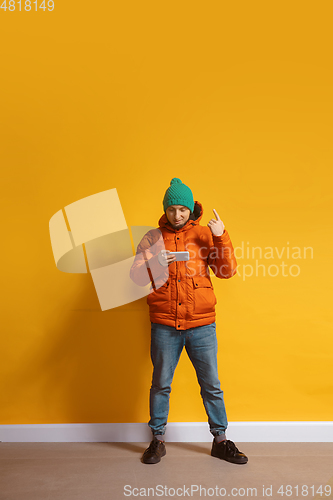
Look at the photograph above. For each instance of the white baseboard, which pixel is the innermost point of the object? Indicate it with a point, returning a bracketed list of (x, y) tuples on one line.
[(318, 431)]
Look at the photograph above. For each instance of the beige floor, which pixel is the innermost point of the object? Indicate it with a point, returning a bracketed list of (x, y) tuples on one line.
[(112, 471)]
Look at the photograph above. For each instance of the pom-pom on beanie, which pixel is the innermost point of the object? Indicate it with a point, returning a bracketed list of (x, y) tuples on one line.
[(178, 194)]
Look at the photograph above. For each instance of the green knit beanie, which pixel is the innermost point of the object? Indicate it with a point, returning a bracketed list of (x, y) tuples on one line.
[(178, 194)]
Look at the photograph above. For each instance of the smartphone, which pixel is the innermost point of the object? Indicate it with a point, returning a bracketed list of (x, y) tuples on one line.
[(181, 255)]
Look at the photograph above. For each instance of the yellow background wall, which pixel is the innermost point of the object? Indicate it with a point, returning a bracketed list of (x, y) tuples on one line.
[(236, 100)]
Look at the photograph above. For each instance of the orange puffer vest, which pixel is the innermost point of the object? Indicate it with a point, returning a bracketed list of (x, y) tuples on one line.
[(182, 294)]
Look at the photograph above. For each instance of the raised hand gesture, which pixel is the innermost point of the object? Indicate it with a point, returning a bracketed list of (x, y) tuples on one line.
[(216, 225)]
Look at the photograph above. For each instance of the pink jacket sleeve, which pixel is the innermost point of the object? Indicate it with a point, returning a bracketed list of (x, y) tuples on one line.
[(146, 267)]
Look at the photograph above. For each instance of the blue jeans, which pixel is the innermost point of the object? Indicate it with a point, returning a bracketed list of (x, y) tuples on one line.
[(201, 346)]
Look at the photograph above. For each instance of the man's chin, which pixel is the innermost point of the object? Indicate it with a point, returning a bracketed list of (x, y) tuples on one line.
[(178, 226)]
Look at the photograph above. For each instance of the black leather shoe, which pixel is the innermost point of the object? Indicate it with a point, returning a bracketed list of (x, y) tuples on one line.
[(154, 452), (227, 450)]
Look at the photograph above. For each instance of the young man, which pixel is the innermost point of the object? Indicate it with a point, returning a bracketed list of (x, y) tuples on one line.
[(182, 311)]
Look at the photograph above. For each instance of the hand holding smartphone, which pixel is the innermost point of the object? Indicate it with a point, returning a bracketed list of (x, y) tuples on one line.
[(165, 257)]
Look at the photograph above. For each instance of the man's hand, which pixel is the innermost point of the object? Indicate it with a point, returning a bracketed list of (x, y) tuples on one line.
[(165, 257), (216, 225)]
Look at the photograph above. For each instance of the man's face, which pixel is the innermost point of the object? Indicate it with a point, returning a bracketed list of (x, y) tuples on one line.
[(177, 215)]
